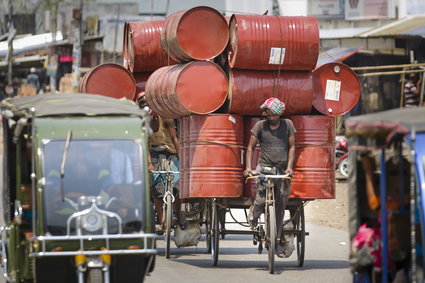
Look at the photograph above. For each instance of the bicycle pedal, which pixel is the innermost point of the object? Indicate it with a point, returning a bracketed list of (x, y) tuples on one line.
[(260, 248)]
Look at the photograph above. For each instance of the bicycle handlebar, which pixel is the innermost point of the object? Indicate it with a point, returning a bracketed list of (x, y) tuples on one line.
[(285, 176), (165, 172)]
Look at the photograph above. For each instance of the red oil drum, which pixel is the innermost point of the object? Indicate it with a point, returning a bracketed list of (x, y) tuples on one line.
[(314, 165), (248, 89), (273, 42), (109, 79), (216, 155), (141, 79), (198, 87), (250, 187), (200, 33), (336, 89), (142, 51)]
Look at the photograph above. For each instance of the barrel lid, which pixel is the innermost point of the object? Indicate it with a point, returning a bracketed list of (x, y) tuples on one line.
[(336, 89), (202, 87), (202, 33), (110, 80)]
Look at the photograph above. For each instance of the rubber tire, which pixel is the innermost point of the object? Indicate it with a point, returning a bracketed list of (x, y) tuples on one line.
[(271, 236), (94, 275), (215, 234), (301, 237), (343, 167), (168, 224), (208, 221)]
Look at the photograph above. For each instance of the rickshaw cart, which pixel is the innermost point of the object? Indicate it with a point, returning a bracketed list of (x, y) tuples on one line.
[(220, 181), (387, 155)]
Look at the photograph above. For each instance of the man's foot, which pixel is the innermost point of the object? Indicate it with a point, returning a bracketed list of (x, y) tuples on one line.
[(183, 221), (253, 225), (280, 252), (159, 229)]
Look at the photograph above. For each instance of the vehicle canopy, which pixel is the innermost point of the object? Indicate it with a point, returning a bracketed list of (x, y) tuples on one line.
[(395, 139)]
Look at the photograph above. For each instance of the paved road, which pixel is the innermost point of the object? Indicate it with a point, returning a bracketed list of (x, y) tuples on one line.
[(326, 260)]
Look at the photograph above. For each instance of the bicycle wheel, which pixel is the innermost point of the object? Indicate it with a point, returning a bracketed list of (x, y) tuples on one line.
[(215, 234), (300, 237), (271, 233), (208, 221), (168, 223)]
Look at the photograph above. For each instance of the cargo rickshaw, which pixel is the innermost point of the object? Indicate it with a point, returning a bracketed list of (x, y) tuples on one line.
[(218, 179), (386, 195), (75, 189)]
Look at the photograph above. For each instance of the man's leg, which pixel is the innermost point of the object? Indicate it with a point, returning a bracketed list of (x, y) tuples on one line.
[(258, 206), (158, 210)]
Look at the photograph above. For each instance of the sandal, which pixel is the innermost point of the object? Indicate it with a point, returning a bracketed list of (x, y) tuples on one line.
[(159, 229), (280, 252), (253, 225)]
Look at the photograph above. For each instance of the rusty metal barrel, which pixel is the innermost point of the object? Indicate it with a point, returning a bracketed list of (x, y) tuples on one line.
[(198, 87), (314, 165), (336, 89), (248, 89), (200, 33), (142, 51), (273, 42), (109, 79), (215, 161), (250, 187)]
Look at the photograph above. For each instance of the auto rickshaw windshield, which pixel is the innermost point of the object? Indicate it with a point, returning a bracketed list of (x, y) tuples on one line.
[(106, 173)]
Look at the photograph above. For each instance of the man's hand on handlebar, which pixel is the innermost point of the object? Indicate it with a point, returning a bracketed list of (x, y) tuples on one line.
[(290, 172), (247, 172)]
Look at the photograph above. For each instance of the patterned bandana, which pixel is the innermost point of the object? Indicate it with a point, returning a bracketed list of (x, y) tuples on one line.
[(274, 105)]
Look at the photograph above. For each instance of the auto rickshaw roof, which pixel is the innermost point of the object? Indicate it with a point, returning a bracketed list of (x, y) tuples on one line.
[(384, 126), (71, 104)]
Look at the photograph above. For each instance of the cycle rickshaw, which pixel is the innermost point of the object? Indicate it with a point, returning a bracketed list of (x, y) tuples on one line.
[(387, 157), (217, 180)]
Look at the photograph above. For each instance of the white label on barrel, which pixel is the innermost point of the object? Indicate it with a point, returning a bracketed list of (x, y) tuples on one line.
[(232, 119), (333, 90), (277, 55)]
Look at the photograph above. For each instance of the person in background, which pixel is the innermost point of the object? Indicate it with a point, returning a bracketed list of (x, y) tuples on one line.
[(33, 79), (411, 91), (277, 151), (164, 148)]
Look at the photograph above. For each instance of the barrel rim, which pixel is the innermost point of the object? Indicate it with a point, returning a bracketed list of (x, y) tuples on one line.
[(317, 72), (221, 71), (182, 14), (114, 65)]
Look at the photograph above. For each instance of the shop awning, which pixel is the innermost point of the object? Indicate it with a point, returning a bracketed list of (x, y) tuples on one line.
[(25, 62), (338, 54), (410, 26)]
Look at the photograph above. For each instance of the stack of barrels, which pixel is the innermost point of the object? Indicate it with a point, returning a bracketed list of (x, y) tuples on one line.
[(212, 73)]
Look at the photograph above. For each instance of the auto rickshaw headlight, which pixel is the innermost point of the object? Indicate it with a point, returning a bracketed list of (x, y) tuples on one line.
[(92, 222)]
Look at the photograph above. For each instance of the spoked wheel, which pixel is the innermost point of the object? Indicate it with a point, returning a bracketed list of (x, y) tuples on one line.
[(271, 236), (300, 237), (168, 223), (208, 221), (215, 233)]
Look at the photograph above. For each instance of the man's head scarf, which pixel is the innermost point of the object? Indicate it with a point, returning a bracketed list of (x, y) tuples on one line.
[(273, 104)]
